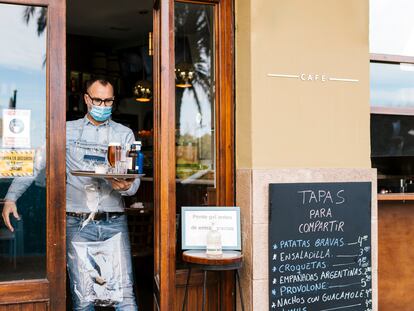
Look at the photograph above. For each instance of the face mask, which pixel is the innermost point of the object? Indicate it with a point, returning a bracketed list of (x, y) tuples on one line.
[(99, 113)]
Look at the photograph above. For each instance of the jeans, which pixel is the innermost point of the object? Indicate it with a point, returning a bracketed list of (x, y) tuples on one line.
[(99, 230)]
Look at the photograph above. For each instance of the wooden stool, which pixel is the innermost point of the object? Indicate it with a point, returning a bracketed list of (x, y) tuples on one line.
[(231, 260)]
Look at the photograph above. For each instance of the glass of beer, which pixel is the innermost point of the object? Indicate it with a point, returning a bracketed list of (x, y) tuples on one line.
[(114, 155)]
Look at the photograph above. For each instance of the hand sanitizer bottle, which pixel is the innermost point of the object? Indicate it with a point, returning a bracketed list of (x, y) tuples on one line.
[(214, 249)]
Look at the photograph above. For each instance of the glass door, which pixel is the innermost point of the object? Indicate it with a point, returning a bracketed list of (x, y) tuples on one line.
[(203, 127), (194, 141), (32, 155)]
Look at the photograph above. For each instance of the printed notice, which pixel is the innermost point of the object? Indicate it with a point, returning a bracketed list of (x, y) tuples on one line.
[(197, 221), (16, 128), (320, 247), (16, 163)]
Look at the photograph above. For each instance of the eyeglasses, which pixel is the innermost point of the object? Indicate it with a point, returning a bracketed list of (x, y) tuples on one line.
[(98, 101)]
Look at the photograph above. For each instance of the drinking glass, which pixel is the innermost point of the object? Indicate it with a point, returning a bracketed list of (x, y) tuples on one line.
[(121, 165), (114, 156)]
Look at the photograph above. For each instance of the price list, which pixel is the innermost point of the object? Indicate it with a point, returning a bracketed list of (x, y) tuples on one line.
[(320, 247)]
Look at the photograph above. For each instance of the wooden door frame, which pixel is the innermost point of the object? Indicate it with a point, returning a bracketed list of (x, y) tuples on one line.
[(225, 105), (164, 139), (225, 124), (164, 162), (51, 290)]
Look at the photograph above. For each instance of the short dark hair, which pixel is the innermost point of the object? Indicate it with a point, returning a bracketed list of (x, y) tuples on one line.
[(101, 81)]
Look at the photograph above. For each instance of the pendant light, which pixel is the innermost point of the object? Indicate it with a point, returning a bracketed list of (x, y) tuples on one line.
[(184, 71), (143, 88), (184, 74), (143, 91)]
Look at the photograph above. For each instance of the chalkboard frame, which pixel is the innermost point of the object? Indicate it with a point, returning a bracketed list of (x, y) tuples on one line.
[(368, 220)]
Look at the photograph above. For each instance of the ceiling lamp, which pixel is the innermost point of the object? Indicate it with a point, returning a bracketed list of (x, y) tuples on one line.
[(143, 91), (143, 88), (184, 74)]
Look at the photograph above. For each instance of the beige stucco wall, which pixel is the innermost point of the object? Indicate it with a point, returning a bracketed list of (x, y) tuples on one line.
[(289, 130), (286, 122)]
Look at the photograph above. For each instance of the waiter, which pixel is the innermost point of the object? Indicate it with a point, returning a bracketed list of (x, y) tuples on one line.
[(86, 139)]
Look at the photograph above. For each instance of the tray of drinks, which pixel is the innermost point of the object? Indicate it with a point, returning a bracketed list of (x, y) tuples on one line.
[(105, 175)]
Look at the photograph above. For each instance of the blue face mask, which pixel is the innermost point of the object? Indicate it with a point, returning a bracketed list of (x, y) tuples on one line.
[(99, 113)]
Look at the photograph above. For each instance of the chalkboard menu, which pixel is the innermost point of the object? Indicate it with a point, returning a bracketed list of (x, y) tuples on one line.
[(320, 247)]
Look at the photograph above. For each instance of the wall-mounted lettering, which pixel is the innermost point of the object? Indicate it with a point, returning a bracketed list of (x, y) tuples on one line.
[(314, 77)]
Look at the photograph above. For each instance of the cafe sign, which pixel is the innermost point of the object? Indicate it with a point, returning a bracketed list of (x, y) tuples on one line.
[(15, 163), (314, 77)]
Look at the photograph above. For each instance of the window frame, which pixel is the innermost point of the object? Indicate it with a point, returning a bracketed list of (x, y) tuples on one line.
[(50, 291), (166, 275)]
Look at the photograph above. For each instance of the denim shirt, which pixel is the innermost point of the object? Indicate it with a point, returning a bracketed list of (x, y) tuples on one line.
[(85, 132), (89, 137)]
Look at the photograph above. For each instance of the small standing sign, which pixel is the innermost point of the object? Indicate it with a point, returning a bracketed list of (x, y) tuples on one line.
[(196, 222)]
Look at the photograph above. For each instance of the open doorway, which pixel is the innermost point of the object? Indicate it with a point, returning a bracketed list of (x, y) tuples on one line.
[(113, 43)]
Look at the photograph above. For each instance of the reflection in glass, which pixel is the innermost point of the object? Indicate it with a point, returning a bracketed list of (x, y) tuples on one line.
[(392, 85), (392, 135), (23, 140), (195, 101), (392, 144), (391, 27)]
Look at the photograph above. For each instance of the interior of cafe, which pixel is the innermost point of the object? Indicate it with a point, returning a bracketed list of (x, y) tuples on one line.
[(116, 43)]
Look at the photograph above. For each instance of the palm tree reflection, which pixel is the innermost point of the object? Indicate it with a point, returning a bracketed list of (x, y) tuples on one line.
[(194, 45), (41, 12), (30, 12)]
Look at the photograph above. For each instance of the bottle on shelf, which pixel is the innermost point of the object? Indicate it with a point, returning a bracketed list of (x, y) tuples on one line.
[(140, 159), (214, 247), (72, 84), (73, 102), (402, 185), (410, 186)]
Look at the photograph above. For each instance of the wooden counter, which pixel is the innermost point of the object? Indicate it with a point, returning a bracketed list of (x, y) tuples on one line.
[(395, 251), (396, 197)]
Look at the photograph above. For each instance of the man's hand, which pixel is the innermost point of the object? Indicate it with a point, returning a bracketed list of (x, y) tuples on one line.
[(121, 184), (9, 208)]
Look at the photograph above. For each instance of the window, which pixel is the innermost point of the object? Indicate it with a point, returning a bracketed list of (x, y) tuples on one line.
[(392, 86), (23, 140), (392, 27), (195, 104)]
